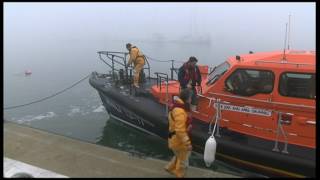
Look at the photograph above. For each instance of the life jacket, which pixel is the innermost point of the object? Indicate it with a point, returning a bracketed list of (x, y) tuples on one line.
[(173, 105), (140, 59), (140, 54), (190, 73)]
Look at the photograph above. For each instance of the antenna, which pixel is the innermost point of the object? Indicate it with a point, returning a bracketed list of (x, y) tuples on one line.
[(289, 33), (285, 41)]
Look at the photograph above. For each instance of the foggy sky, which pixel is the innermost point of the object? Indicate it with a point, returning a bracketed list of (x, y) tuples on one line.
[(229, 23), (58, 42)]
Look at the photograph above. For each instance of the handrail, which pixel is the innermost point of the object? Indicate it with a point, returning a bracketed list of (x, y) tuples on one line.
[(119, 52), (161, 73), (164, 76), (278, 131), (120, 58), (104, 61), (149, 71), (123, 55), (172, 69), (284, 62), (263, 101), (115, 59), (112, 55)]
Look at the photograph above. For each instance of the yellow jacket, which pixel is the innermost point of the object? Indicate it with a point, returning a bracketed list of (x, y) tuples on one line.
[(181, 140), (135, 56)]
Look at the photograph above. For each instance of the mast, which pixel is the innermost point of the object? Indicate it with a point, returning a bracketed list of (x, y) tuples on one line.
[(284, 48), (289, 34)]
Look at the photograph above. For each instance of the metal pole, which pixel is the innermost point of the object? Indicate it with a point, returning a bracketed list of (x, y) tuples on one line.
[(276, 148), (130, 87), (289, 34), (157, 79), (112, 67), (285, 149), (172, 69), (167, 95), (125, 66), (285, 41), (149, 71), (160, 82), (219, 117)]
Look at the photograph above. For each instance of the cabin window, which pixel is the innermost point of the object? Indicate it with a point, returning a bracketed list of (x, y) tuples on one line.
[(300, 85), (217, 72), (248, 82)]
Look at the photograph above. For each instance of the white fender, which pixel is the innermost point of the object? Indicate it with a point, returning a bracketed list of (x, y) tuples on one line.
[(210, 151)]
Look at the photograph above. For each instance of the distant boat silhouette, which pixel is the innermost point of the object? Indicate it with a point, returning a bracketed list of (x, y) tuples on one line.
[(28, 72)]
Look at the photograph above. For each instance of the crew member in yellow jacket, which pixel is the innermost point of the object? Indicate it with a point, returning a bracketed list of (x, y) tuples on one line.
[(179, 141), (137, 58)]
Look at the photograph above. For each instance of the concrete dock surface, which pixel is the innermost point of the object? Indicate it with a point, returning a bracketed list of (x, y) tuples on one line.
[(74, 158)]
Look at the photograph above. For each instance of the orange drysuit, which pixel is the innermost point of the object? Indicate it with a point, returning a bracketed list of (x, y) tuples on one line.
[(138, 60), (178, 141)]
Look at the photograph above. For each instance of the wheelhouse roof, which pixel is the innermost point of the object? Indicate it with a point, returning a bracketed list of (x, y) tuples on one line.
[(303, 60)]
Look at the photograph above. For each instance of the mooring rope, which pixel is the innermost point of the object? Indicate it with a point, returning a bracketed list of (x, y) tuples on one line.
[(48, 97)]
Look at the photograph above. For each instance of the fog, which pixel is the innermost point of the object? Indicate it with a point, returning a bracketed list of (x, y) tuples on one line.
[(58, 42), (234, 22), (64, 37)]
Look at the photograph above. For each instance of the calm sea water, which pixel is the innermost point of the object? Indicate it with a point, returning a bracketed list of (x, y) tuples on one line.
[(78, 113)]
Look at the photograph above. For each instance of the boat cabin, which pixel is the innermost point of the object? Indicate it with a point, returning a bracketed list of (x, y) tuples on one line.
[(256, 90)]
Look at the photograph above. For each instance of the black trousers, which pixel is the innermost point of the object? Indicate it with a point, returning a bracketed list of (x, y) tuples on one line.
[(194, 99)]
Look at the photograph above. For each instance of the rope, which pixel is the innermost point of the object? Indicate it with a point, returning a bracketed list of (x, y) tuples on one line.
[(48, 97), (157, 60), (180, 62)]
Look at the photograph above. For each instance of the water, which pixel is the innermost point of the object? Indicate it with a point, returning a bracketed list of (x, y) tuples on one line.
[(78, 113)]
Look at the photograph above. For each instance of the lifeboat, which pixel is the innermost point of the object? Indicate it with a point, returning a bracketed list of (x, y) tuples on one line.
[(261, 104)]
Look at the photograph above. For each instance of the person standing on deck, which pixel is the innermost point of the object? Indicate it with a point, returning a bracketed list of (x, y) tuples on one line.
[(179, 140), (189, 76), (137, 58)]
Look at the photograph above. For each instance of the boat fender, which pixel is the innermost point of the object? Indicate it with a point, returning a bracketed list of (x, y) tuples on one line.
[(210, 151)]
